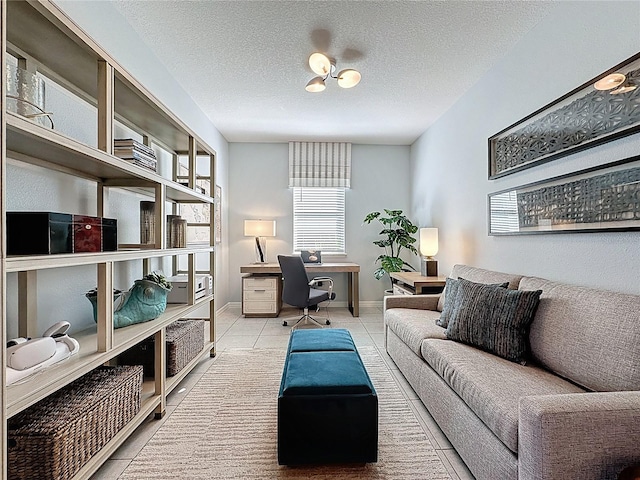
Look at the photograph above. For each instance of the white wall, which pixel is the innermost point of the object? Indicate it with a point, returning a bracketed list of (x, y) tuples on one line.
[(578, 41), (258, 184)]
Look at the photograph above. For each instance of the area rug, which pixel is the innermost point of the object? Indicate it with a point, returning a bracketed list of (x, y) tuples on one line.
[(225, 428)]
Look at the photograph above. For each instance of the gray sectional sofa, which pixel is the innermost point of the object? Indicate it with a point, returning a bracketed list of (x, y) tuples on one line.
[(572, 412)]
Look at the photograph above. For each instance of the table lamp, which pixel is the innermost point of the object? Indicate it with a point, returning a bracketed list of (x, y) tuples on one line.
[(260, 229), (428, 248)]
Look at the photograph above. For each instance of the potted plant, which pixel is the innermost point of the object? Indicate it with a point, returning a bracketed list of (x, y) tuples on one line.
[(397, 231)]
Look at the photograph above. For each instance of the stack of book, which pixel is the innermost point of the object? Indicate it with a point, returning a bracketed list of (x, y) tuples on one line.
[(135, 152)]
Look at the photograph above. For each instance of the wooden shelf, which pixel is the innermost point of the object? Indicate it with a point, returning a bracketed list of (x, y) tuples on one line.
[(25, 394), (32, 143), (41, 262)]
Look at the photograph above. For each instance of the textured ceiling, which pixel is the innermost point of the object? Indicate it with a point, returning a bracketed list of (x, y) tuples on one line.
[(245, 62)]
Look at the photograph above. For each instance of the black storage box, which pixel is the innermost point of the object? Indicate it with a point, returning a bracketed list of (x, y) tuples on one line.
[(31, 233), (41, 233)]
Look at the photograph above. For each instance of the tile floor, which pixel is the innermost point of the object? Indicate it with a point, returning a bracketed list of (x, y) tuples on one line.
[(235, 331)]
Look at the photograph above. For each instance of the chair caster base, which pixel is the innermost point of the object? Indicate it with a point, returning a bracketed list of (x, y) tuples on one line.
[(328, 322), (284, 324)]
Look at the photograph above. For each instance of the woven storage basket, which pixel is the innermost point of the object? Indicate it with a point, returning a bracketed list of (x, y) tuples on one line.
[(185, 340), (54, 438)]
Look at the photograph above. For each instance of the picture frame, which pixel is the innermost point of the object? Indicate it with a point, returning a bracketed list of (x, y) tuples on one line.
[(581, 119), (605, 197), (217, 219)]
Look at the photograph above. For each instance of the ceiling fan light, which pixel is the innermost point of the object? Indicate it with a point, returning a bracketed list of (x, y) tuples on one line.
[(316, 84), (612, 80), (320, 63), (623, 89), (349, 78)]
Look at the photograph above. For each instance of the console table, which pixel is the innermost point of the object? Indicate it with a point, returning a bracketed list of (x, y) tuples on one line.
[(412, 283), (351, 269)]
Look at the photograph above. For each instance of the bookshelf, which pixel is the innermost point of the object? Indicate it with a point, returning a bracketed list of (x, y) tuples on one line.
[(71, 59)]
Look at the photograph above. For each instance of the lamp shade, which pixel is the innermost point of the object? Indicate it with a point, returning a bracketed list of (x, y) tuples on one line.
[(260, 228), (320, 63), (316, 84), (349, 78), (428, 241)]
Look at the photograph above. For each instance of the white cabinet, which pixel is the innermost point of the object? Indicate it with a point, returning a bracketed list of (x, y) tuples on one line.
[(261, 296)]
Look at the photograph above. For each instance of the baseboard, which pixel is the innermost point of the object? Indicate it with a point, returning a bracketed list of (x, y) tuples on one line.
[(334, 304), (225, 308)]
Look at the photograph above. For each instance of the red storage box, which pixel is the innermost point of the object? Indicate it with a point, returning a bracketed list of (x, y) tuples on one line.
[(94, 234)]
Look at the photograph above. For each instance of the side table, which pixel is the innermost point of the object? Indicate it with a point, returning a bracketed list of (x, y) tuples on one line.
[(412, 283)]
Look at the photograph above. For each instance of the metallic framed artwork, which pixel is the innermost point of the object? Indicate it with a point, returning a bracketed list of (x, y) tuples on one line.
[(605, 197), (603, 109)]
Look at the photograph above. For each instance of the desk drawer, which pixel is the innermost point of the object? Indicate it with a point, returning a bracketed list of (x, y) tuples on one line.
[(259, 295), (265, 283), (266, 307)]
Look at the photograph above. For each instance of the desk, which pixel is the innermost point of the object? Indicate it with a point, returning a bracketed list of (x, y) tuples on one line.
[(351, 269), (412, 283)]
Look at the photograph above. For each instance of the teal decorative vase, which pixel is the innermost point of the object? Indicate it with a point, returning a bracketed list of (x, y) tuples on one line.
[(92, 296), (144, 301)]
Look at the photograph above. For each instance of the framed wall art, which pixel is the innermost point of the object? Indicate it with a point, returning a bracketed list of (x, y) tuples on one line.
[(606, 197), (603, 109)]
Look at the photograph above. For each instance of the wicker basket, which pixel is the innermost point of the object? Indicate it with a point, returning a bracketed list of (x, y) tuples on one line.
[(54, 438), (185, 340)]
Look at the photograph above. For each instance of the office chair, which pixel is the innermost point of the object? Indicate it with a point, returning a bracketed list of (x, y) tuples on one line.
[(298, 290)]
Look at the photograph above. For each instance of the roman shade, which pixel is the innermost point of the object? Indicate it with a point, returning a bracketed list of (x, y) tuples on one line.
[(319, 164)]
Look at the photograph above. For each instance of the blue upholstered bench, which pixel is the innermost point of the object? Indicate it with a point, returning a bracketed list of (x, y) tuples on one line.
[(327, 406)]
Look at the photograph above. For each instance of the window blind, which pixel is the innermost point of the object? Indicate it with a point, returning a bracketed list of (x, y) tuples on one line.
[(319, 164), (318, 219)]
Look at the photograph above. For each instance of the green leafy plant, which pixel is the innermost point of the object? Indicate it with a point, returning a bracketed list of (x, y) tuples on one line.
[(397, 231)]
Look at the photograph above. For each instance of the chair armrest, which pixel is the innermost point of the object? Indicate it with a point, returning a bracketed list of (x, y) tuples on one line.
[(589, 436), (422, 302), (315, 280)]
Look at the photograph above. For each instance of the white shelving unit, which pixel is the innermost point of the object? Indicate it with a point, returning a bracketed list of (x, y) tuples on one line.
[(39, 33)]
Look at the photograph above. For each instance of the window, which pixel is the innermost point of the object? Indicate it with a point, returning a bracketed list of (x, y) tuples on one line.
[(318, 219)]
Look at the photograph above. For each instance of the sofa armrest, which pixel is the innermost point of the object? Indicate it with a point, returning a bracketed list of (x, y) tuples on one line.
[(422, 302), (590, 436)]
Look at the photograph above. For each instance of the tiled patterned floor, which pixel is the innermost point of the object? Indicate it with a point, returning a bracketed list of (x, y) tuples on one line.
[(235, 331)]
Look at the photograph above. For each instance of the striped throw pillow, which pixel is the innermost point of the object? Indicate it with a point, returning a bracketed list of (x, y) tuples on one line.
[(450, 293), (494, 319)]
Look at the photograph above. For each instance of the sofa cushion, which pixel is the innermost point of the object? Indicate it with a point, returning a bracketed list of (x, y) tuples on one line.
[(493, 318), (491, 386), (452, 286), (589, 336), (479, 275), (413, 326)]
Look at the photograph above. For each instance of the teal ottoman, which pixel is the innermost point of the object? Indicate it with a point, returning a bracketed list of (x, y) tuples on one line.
[(327, 406)]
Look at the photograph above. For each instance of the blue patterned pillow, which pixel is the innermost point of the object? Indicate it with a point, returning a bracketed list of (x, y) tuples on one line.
[(494, 319), (450, 293)]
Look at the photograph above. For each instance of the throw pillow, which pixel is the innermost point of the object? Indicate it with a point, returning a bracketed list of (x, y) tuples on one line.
[(451, 289), (494, 319)]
